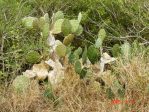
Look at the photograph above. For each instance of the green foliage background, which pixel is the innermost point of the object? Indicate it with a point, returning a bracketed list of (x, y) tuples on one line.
[(123, 20)]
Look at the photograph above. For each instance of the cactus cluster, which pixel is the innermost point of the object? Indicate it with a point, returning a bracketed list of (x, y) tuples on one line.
[(78, 62), (59, 25), (69, 29)]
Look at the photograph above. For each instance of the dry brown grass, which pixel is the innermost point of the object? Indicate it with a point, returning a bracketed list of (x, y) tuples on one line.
[(75, 95)]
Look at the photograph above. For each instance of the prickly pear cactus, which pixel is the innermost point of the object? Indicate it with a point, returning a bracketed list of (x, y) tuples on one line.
[(100, 39), (75, 25), (45, 30), (48, 93), (78, 51), (57, 27), (30, 22), (102, 34), (68, 39), (116, 50), (126, 50), (46, 18), (58, 15), (78, 67), (93, 54), (84, 55), (72, 58), (79, 30), (121, 92), (45, 25), (110, 93), (43, 20), (21, 83), (32, 57), (83, 73), (98, 43), (66, 27), (61, 50), (79, 17)]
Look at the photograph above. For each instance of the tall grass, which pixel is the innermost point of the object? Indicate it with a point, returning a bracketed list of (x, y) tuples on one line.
[(123, 21), (76, 95)]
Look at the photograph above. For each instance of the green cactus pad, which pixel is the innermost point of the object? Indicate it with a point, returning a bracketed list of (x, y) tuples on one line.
[(41, 22), (29, 22), (21, 83), (78, 51), (32, 57), (93, 54), (79, 30), (126, 50), (98, 43), (71, 58), (48, 93), (66, 27), (110, 93), (68, 39), (121, 92), (57, 28), (116, 50), (84, 55), (46, 18), (45, 30), (102, 34), (61, 50), (74, 25), (78, 67), (83, 73), (58, 15), (79, 17)]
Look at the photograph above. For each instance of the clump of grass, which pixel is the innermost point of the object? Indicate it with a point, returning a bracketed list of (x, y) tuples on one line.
[(32, 100), (135, 75), (83, 95)]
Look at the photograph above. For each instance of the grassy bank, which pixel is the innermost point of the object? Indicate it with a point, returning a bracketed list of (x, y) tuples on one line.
[(76, 95)]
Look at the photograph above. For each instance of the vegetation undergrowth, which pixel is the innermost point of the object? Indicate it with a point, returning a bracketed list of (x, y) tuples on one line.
[(126, 89)]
